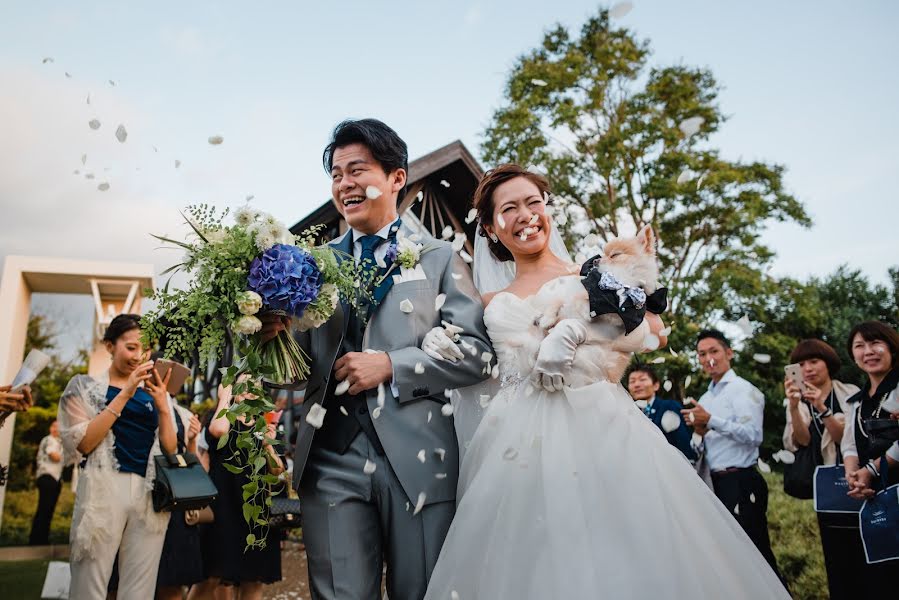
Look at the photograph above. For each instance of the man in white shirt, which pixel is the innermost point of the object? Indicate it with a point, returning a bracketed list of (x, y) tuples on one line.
[(49, 472), (729, 419)]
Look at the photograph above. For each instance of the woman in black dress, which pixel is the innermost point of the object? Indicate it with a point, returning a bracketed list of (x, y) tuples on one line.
[(224, 546)]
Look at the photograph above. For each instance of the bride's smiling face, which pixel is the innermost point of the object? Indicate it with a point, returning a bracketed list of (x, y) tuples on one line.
[(519, 217)]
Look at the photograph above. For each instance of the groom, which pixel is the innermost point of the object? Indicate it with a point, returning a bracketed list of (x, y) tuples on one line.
[(377, 480)]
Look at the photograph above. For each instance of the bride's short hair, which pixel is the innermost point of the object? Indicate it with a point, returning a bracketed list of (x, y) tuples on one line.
[(483, 199)]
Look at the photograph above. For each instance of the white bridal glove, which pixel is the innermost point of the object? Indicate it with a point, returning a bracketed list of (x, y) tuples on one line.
[(438, 344), (557, 353)]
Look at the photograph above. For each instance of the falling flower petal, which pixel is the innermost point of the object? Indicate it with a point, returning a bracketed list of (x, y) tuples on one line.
[(444, 183), (784, 456), (316, 415), (419, 368), (419, 196), (112, 83), (448, 393), (673, 352), (510, 454), (177, 163), (369, 467), (380, 262), (94, 124), (83, 159), (406, 306), (665, 332), (343, 411), (651, 342), (430, 416), (440, 452), (419, 504), (670, 421), (447, 232), (591, 239), (620, 9), (486, 356), (484, 400), (700, 180), (472, 215), (68, 75), (121, 134), (495, 372), (439, 301), (342, 387), (690, 127), (88, 98), (88, 175), (446, 410), (376, 412), (421, 456), (440, 475), (459, 240), (465, 256), (538, 82), (103, 186), (454, 595), (48, 59), (641, 404), (752, 498), (685, 176), (501, 221), (737, 509), (763, 466), (456, 276), (745, 325), (762, 358), (215, 140), (687, 382), (658, 361), (381, 394), (667, 385), (373, 193)]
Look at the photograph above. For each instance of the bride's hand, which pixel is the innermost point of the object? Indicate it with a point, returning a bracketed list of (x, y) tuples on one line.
[(557, 353), (438, 345), (655, 326)]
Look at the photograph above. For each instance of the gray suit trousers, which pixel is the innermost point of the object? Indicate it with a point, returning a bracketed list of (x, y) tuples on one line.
[(354, 522)]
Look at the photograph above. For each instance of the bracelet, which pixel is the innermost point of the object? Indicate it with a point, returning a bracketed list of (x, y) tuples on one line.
[(870, 466), (118, 415), (825, 414)]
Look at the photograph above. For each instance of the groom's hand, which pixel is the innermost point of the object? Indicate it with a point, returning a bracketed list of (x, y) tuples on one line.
[(272, 324), (364, 370)]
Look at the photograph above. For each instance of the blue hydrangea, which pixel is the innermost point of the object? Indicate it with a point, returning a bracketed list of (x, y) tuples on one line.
[(287, 278)]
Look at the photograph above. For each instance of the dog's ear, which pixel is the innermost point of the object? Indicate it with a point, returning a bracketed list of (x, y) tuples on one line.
[(647, 239)]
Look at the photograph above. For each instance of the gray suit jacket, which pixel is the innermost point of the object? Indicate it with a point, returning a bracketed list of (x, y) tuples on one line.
[(413, 420)]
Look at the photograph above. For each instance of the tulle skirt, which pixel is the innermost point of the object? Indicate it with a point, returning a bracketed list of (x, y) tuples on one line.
[(577, 495)]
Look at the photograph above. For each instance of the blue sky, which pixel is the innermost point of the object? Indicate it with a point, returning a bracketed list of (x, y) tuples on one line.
[(811, 85)]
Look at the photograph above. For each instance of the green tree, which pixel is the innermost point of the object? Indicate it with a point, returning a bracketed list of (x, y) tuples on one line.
[(625, 144)]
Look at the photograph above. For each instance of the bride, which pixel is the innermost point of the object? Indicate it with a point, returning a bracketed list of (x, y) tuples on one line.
[(566, 490)]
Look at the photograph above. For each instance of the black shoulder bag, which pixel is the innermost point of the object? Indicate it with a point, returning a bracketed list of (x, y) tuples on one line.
[(181, 481), (799, 477)]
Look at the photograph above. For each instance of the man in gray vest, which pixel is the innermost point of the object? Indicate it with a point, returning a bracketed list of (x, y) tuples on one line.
[(377, 474)]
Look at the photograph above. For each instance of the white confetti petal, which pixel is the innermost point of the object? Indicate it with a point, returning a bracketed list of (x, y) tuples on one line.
[(250, 197), (667, 385), (484, 400), (121, 134), (465, 256), (381, 395), (591, 240), (447, 232), (373, 193), (448, 393), (407, 506), (112, 83), (177, 163), (419, 504), (763, 466), (421, 456), (439, 301), (665, 332), (316, 415), (690, 127), (376, 412), (103, 186), (440, 475), (745, 325), (369, 467), (700, 180), (215, 140), (456, 276), (687, 382), (685, 176), (430, 416), (454, 595), (342, 387), (472, 215), (419, 368), (94, 124), (510, 454), (444, 183), (88, 175), (752, 498), (446, 410), (670, 421), (658, 361), (48, 59), (380, 262), (406, 306), (419, 196), (486, 356), (501, 221), (762, 358), (539, 82), (620, 9), (651, 342), (68, 75), (737, 509), (673, 352), (641, 404), (495, 372), (343, 411), (441, 453), (459, 240)]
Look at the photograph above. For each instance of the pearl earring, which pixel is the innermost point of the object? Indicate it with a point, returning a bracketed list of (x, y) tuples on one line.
[(494, 238)]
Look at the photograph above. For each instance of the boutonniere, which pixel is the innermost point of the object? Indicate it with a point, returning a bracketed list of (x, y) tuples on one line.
[(405, 252)]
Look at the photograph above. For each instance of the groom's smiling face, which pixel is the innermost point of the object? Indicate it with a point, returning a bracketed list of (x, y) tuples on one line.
[(362, 191)]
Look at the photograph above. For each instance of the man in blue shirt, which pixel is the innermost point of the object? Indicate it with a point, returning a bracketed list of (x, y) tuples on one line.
[(729, 419), (643, 385)]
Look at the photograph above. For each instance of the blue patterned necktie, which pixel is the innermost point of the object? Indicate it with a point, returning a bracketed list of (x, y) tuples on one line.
[(367, 256), (647, 410)]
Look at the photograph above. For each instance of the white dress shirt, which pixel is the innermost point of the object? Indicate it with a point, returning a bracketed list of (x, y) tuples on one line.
[(737, 411), (45, 464)]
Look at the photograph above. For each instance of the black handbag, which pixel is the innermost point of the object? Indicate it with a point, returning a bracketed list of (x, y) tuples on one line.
[(181, 483), (882, 433), (284, 513), (799, 477)]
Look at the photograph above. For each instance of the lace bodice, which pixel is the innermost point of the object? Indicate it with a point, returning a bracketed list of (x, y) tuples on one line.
[(517, 326)]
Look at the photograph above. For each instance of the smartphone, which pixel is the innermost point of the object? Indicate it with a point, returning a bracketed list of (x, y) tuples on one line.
[(180, 373), (794, 374)]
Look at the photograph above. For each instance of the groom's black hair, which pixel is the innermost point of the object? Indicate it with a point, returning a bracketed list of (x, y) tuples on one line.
[(385, 145), (715, 335)]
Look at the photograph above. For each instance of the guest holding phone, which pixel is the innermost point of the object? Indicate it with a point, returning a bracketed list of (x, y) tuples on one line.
[(116, 422), (816, 415), (224, 555)]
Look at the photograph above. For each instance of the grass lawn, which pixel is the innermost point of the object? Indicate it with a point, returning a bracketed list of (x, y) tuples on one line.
[(791, 523)]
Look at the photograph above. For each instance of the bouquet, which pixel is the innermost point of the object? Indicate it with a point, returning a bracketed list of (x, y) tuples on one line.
[(238, 272)]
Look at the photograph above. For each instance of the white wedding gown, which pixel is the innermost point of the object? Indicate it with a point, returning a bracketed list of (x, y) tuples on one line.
[(577, 495)]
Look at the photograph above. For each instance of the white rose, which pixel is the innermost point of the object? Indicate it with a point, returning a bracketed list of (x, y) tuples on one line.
[(249, 302), (247, 325)]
